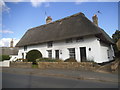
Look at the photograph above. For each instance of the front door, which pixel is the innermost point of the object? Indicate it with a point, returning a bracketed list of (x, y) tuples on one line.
[(57, 54), (22, 55), (83, 53)]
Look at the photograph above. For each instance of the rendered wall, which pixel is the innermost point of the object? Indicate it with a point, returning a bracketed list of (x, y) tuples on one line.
[(89, 42)]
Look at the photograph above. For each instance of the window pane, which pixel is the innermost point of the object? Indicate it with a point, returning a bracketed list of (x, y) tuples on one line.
[(79, 39), (50, 44), (49, 53), (25, 48), (69, 40), (72, 53)]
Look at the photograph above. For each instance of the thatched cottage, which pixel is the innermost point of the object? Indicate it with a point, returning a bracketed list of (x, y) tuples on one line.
[(71, 37)]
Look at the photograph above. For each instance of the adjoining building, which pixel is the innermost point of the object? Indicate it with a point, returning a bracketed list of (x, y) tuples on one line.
[(11, 50), (71, 37)]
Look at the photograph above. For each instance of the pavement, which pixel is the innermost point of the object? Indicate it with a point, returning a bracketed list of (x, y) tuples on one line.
[(13, 80), (75, 74)]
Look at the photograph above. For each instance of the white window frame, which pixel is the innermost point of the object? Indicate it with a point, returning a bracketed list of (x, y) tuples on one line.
[(72, 53), (49, 53), (25, 48), (49, 44)]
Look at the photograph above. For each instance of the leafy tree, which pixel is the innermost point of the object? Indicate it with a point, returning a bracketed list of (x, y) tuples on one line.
[(116, 37)]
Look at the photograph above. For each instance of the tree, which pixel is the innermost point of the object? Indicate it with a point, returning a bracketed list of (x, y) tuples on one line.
[(116, 37)]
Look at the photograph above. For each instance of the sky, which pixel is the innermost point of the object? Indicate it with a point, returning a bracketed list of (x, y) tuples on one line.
[(18, 17)]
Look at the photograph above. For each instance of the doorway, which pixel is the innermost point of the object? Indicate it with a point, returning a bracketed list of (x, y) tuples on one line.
[(57, 54), (83, 54)]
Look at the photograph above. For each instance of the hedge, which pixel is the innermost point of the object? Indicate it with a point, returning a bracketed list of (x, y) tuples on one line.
[(33, 55), (4, 57), (70, 60), (48, 60)]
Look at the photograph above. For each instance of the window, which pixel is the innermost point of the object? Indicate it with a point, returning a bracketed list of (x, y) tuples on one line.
[(49, 53), (69, 40), (50, 44), (72, 52), (108, 53), (25, 48), (79, 39)]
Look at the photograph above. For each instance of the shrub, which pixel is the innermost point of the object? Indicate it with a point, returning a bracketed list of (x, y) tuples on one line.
[(21, 59), (70, 60), (4, 57), (48, 60), (33, 55)]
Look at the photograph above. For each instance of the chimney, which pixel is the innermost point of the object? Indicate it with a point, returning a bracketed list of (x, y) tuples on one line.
[(48, 20), (95, 20), (11, 44)]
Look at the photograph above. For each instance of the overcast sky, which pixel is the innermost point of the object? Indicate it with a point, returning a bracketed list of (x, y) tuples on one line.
[(18, 17)]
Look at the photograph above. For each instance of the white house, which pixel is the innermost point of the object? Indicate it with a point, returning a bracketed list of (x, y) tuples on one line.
[(71, 37)]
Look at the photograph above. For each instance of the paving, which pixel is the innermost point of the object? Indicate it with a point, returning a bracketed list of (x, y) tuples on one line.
[(13, 80), (75, 74)]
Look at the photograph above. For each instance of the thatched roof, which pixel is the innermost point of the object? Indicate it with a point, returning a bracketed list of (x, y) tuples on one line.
[(76, 25)]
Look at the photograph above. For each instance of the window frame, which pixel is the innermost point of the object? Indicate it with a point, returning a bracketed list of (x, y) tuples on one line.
[(49, 53), (70, 40), (72, 53), (79, 39), (25, 48), (49, 44)]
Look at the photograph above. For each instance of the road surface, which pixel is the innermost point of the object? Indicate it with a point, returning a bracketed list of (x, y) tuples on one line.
[(12, 80)]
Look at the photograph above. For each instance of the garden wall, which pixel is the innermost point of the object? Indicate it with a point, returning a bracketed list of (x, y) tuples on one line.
[(67, 65), (5, 63), (57, 65), (21, 64)]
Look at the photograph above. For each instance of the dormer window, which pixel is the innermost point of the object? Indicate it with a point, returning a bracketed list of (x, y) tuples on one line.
[(49, 44), (69, 40), (25, 48), (79, 39)]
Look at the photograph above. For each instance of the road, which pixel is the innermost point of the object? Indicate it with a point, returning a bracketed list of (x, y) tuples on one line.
[(12, 80)]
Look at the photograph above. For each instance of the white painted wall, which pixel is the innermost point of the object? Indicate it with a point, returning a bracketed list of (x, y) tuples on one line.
[(89, 42), (107, 52), (5, 63), (13, 57)]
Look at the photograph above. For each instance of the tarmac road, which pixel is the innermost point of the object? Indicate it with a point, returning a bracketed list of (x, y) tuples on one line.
[(15, 80)]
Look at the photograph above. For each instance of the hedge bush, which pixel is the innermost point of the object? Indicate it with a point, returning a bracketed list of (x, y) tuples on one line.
[(70, 60), (33, 55), (4, 57), (48, 60)]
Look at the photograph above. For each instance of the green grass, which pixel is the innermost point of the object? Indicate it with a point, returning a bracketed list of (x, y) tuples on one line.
[(34, 66)]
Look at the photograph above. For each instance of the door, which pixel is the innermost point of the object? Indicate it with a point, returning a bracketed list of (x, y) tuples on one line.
[(22, 55), (57, 54), (83, 54)]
